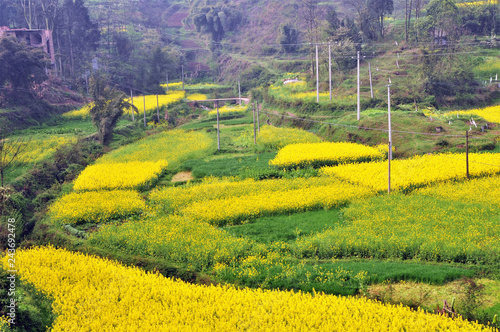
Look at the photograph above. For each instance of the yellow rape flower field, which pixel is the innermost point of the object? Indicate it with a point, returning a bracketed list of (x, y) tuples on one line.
[(163, 100), (172, 146), (275, 137), (450, 222), (325, 154), (417, 171), (482, 190), (81, 113), (173, 85), (38, 149), (477, 3), (196, 96), (98, 206), (95, 294), (128, 175), (149, 101), (229, 109), (491, 113), (235, 209)]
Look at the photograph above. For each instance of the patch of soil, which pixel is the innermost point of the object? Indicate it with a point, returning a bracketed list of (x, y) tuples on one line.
[(182, 176)]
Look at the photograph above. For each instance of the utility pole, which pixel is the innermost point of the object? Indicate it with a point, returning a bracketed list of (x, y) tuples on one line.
[(258, 119), (144, 98), (317, 75), (254, 129), (218, 128), (359, 103), (330, 69), (132, 100), (390, 135), (370, 73), (467, 153), (167, 81), (182, 74)]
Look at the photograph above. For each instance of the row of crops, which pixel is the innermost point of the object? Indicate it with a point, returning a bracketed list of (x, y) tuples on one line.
[(102, 295)]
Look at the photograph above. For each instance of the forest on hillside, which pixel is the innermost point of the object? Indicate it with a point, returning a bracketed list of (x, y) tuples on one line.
[(139, 44)]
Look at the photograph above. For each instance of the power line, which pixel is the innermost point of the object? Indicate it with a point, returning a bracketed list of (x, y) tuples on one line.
[(363, 127)]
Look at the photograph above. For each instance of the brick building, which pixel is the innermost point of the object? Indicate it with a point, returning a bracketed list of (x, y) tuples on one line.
[(35, 38)]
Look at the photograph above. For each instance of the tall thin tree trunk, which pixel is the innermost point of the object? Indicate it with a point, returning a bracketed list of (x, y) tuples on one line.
[(409, 16), (406, 21)]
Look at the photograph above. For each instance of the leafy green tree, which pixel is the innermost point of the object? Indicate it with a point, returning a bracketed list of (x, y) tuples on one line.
[(379, 9), (287, 38), (481, 20), (217, 20), (21, 65), (107, 107), (442, 21), (10, 14)]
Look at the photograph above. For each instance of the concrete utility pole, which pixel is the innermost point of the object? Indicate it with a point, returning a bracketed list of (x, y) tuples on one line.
[(390, 134), (218, 128), (317, 75), (370, 73), (254, 129), (330, 69), (132, 101), (144, 98), (467, 153), (258, 119), (359, 102)]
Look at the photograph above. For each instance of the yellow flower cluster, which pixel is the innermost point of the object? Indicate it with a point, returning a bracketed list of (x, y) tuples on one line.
[(81, 113), (325, 154), (275, 137), (166, 99), (234, 210), (418, 171), (173, 85), (477, 3), (491, 114), (227, 109), (482, 190), (424, 225), (174, 238), (114, 175), (97, 206), (42, 148), (196, 96), (4, 323), (204, 86), (173, 146), (310, 95), (176, 198), (95, 294)]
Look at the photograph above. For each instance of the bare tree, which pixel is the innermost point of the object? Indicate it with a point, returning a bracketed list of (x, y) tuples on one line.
[(28, 11)]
